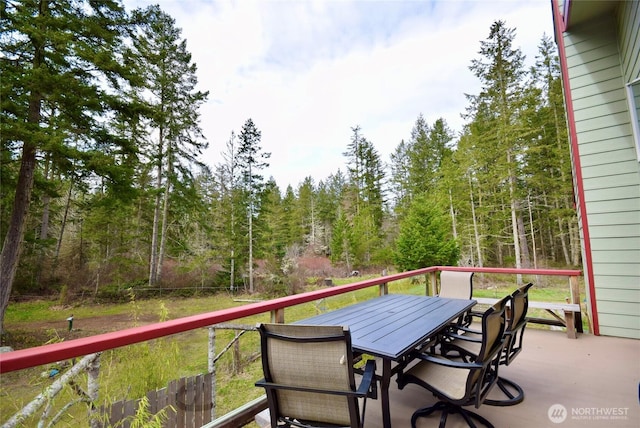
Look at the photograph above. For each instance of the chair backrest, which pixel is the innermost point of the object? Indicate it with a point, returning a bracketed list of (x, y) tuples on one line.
[(517, 322), (456, 285), (314, 358), (493, 328)]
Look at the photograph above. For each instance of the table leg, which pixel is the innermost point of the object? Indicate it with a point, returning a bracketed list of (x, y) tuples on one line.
[(384, 392)]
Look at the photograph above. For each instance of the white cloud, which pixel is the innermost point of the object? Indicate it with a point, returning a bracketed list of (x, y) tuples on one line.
[(306, 72)]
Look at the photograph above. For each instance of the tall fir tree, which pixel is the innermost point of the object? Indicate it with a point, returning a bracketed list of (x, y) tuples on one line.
[(228, 212), (330, 193), (420, 157), (173, 103), (364, 200), (399, 176), (61, 72), (306, 215), (251, 160), (500, 102)]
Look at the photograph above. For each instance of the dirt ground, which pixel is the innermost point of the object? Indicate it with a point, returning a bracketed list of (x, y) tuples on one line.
[(29, 334)]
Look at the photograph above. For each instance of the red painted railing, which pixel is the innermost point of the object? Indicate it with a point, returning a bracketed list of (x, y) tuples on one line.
[(31, 357)]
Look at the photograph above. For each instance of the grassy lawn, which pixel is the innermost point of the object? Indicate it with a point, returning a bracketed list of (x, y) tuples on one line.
[(128, 372)]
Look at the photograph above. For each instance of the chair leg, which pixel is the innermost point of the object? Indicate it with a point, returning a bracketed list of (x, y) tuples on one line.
[(426, 411), (447, 409), (513, 391), (469, 416)]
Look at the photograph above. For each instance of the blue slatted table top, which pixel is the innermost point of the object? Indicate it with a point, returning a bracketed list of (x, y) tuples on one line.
[(392, 325)]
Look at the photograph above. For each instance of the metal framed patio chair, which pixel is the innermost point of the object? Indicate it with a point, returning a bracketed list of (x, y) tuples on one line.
[(468, 345), (457, 285), (309, 376), (456, 383)]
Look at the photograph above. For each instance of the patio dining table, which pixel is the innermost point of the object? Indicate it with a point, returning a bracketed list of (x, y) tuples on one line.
[(391, 327)]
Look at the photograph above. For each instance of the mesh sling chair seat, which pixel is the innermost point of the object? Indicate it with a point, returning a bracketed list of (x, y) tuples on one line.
[(467, 345), (309, 376), (461, 383), (457, 285)]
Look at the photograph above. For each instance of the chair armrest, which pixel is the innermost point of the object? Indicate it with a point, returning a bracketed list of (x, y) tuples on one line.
[(368, 385), (462, 364), (465, 338), (449, 363), (477, 314), (271, 385), (470, 330)]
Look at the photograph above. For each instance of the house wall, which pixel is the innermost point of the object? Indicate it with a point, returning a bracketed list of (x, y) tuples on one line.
[(601, 59), (629, 39)]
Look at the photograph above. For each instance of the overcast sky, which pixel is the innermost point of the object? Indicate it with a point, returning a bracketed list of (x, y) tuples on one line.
[(306, 72)]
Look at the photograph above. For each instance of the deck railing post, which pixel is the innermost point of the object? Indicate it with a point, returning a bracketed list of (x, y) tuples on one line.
[(277, 316), (575, 289), (575, 298), (383, 289), (431, 285)]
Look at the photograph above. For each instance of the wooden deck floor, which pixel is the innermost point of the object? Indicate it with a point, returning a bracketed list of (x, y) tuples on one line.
[(591, 377)]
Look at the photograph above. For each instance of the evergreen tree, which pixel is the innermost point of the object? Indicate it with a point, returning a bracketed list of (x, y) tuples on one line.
[(173, 102), (499, 105), (399, 178), (272, 243), (60, 73), (306, 215), (364, 199), (548, 163), (228, 212), (373, 184), (198, 228), (416, 165), (441, 141), (330, 193), (355, 156), (342, 242), (292, 234), (251, 159), (425, 237), (420, 157)]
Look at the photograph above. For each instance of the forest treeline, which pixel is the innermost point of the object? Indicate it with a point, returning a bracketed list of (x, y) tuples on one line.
[(103, 187)]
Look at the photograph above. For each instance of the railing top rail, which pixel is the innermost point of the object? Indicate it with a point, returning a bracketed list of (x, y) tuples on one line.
[(36, 356), (31, 357), (512, 271)]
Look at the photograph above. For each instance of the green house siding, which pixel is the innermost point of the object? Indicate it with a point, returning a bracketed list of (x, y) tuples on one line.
[(603, 55), (629, 39)]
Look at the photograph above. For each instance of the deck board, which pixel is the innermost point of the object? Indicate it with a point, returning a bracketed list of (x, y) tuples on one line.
[(592, 372)]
